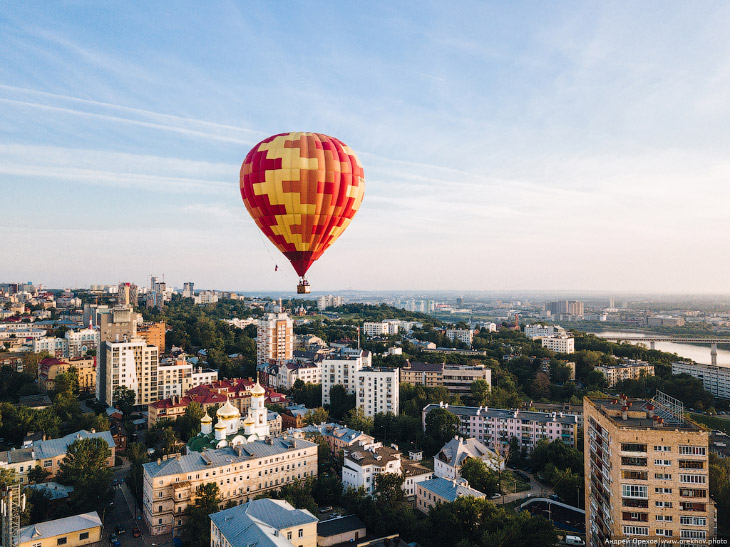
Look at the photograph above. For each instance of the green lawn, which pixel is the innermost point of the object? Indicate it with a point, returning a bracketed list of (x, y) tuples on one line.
[(511, 484)]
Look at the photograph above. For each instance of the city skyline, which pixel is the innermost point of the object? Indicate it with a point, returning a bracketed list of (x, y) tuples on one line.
[(504, 147)]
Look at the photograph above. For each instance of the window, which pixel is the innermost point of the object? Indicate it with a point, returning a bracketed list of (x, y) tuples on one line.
[(663, 462), (61, 541), (84, 535), (694, 479), (665, 518), (663, 476), (662, 490), (48, 463), (159, 521), (159, 508), (288, 535), (662, 449), (634, 491), (301, 532), (692, 450), (633, 447), (693, 534), (663, 503), (692, 521), (636, 530)]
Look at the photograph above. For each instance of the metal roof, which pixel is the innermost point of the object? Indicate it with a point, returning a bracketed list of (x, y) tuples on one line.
[(450, 490), (55, 447), (257, 521), (59, 527), (504, 414), (198, 461), (339, 525)]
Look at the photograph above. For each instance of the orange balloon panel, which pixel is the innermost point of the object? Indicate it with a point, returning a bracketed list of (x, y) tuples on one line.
[(302, 189)]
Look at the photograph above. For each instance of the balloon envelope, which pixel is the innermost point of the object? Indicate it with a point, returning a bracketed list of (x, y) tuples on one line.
[(302, 190)]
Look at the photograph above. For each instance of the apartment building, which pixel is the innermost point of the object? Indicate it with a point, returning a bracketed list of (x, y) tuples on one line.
[(715, 378), (263, 523), (179, 376), (495, 427), (275, 338), (50, 453), (153, 334), (51, 367), (337, 437), (377, 390), (242, 473), (388, 327), (174, 406), (365, 461), (627, 369), (536, 331), (456, 378), (440, 490), (465, 336), (56, 347), (283, 374), (448, 461), (559, 344), (132, 364), (117, 324), (646, 473), (329, 301), (341, 367), (80, 342)]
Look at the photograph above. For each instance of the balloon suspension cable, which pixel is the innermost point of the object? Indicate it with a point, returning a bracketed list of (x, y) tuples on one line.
[(276, 266)]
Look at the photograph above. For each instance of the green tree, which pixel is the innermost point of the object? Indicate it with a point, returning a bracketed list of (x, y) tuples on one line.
[(86, 468), (479, 476), (189, 423), (357, 420), (389, 488), (170, 440), (124, 399), (137, 458), (441, 427), (480, 392), (340, 402), (316, 416), (540, 387), (37, 474), (197, 528)]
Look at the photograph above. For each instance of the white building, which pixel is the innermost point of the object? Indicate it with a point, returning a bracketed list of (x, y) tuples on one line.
[(366, 460), (177, 377), (206, 297), (543, 331), (274, 338), (341, 367), (329, 301), (131, 364), (372, 330), (188, 290), (715, 378), (56, 347), (447, 463), (81, 341), (289, 372), (377, 390), (462, 335), (559, 344)]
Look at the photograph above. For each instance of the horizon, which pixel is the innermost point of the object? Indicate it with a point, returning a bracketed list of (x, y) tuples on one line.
[(503, 146)]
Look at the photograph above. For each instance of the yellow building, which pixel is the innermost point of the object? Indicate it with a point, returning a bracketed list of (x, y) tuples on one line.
[(72, 531), (153, 334), (263, 522), (646, 473), (85, 368)]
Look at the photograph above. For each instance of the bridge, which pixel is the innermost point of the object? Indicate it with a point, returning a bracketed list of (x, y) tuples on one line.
[(679, 339)]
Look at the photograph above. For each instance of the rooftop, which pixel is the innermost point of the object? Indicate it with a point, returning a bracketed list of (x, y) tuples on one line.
[(43, 530), (379, 456), (220, 457), (56, 447), (640, 414), (339, 525), (450, 490), (502, 413)]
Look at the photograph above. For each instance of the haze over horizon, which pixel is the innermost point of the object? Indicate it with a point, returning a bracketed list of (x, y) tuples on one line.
[(577, 148)]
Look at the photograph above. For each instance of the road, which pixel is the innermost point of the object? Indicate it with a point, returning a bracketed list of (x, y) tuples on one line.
[(122, 513), (537, 489)]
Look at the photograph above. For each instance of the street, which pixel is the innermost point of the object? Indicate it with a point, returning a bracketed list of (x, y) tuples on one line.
[(122, 514)]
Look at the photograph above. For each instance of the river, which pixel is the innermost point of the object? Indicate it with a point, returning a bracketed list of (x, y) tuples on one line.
[(699, 354)]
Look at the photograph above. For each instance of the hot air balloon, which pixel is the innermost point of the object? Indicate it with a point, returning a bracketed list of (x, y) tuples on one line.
[(302, 190)]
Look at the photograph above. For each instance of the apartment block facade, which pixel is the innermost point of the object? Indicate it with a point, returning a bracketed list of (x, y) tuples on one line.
[(456, 378), (559, 344), (341, 367), (377, 391), (131, 364), (627, 369), (495, 427), (646, 475), (275, 338), (715, 379)]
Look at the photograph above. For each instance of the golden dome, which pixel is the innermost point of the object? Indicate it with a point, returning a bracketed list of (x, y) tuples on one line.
[(249, 421), (228, 411), (219, 425), (258, 390), (206, 419)]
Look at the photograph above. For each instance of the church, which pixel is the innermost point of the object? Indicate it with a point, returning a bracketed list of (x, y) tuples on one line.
[(230, 428)]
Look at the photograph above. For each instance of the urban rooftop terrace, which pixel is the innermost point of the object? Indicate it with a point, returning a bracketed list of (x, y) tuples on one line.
[(635, 413)]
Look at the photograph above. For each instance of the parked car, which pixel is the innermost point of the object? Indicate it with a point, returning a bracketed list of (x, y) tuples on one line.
[(136, 532), (325, 509), (112, 538), (555, 497), (574, 540), (495, 496)]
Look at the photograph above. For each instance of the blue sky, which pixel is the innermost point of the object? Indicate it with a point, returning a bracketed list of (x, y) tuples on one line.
[(505, 145)]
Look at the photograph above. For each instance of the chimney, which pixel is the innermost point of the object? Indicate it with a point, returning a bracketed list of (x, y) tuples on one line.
[(624, 413), (93, 430), (650, 411), (159, 461)]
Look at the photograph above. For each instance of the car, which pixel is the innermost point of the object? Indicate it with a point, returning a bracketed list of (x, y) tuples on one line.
[(136, 532), (574, 540), (116, 543), (325, 509), (555, 497), (120, 530), (112, 538), (495, 496)]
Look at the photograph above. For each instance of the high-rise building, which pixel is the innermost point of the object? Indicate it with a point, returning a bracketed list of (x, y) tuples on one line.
[(153, 334), (376, 390), (565, 307), (559, 344), (188, 289), (341, 368), (329, 301), (275, 338), (646, 473), (117, 324), (132, 364)]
